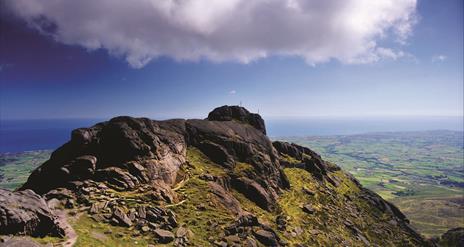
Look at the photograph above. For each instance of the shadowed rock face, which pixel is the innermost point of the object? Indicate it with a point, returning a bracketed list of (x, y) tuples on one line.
[(125, 150), (229, 142), (237, 113), (25, 212), (452, 238), (310, 160)]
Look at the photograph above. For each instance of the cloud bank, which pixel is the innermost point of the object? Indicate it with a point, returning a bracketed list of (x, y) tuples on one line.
[(225, 30)]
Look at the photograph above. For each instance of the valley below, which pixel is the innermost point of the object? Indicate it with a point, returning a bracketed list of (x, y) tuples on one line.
[(420, 172)]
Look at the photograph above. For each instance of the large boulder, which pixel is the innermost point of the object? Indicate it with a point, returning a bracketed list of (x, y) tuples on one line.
[(267, 238), (121, 217), (237, 113), (294, 150), (128, 147), (25, 212), (225, 198), (164, 236), (304, 157), (452, 238), (254, 191)]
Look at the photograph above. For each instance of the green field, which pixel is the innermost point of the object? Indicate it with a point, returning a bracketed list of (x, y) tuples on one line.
[(15, 168), (421, 172)]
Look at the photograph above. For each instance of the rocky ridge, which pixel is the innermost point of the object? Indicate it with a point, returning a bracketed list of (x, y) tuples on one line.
[(218, 181)]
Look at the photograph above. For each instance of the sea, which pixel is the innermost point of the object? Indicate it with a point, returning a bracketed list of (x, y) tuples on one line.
[(44, 134)]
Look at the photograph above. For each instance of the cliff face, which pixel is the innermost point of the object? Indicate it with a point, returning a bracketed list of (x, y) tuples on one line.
[(218, 181)]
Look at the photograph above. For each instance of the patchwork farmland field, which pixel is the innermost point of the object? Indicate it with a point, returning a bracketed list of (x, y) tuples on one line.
[(15, 168)]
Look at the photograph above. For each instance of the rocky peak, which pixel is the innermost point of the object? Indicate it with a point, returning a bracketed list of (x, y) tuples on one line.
[(237, 113), (157, 176), (127, 152)]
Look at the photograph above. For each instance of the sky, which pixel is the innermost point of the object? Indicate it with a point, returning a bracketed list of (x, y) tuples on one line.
[(168, 59)]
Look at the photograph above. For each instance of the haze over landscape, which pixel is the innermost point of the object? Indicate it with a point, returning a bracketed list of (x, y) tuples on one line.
[(231, 123)]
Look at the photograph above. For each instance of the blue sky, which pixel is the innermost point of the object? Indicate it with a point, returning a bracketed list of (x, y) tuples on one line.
[(65, 76)]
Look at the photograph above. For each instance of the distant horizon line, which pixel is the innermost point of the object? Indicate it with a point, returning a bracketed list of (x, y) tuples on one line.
[(273, 117)]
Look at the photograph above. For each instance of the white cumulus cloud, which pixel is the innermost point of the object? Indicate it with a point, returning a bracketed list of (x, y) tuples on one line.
[(225, 30)]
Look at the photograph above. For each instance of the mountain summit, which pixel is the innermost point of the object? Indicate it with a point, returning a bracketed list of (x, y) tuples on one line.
[(214, 182)]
